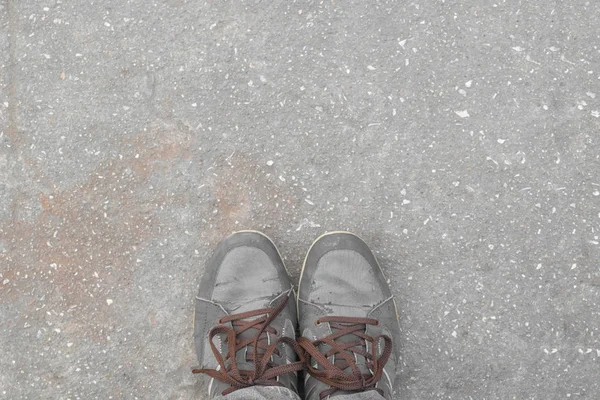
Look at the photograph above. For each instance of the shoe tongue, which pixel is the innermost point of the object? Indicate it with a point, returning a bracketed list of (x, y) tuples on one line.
[(341, 393), (359, 359), (244, 355)]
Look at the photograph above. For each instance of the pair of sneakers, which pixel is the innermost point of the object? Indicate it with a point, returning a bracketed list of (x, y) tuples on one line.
[(247, 313)]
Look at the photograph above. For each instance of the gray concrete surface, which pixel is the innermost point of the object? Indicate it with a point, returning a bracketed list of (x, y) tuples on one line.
[(461, 139)]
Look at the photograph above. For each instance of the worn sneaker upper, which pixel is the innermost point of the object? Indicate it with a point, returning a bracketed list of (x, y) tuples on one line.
[(245, 318), (348, 319)]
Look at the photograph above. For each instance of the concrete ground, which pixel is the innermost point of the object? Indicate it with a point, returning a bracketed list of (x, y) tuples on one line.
[(461, 139)]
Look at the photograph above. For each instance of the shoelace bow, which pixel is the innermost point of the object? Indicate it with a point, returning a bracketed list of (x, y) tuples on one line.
[(265, 372), (333, 374)]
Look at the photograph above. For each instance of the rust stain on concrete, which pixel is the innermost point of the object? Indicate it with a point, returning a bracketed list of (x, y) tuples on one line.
[(82, 247)]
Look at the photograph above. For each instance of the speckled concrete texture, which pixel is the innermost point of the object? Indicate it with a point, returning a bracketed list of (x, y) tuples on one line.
[(460, 139)]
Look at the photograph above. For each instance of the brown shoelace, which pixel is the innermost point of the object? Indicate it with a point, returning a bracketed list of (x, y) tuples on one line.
[(334, 374), (265, 372)]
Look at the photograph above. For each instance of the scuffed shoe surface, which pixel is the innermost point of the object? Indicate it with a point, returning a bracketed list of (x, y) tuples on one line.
[(347, 318), (245, 318)]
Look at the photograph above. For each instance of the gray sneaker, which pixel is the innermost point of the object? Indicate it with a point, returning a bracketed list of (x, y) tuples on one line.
[(348, 320), (245, 318)]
